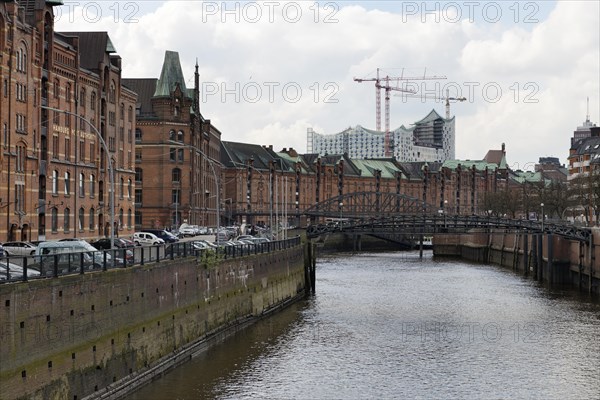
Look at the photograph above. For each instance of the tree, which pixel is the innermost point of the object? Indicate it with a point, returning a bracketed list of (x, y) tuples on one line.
[(555, 197)]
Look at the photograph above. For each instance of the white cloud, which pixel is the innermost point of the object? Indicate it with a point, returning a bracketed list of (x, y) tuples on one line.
[(555, 61)]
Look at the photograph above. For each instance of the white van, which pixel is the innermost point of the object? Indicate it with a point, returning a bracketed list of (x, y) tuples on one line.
[(142, 238), (69, 255)]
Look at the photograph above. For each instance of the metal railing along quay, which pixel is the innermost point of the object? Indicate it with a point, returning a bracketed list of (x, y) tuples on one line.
[(22, 269)]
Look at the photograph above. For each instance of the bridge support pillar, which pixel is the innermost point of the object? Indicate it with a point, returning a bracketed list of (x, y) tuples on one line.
[(357, 243), (540, 259), (526, 254), (420, 247), (549, 264), (310, 266), (581, 255), (592, 259)]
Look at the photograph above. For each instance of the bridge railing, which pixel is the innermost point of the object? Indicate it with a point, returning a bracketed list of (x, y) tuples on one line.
[(21, 269), (439, 223)]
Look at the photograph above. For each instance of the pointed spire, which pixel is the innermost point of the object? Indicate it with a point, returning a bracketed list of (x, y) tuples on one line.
[(197, 91), (170, 76)]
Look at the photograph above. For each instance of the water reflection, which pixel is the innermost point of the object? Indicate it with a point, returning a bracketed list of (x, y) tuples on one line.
[(392, 326)]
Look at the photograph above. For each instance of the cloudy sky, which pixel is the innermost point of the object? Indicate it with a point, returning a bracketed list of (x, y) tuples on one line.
[(271, 70)]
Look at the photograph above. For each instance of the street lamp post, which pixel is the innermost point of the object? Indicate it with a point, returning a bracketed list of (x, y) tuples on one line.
[(542, 206), (111, 170), (341, 215)]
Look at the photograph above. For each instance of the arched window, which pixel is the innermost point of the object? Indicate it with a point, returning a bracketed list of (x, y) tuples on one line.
[(92, 185), (129, 188), (122, 112), (55, 182), (176, 175), (81, 218), (68, 93), (81, 184), (180, 136), (92, 219), (93, 101), (129, 221), (172, 135), (54, 221), (56, 88), (67, 220), (130, 115), (82, 98), (67, 183), (121, 188), (22, 58), (121, 216), (112, 92)]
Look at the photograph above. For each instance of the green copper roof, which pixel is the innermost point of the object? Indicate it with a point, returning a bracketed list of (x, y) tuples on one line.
[(480, 165), (110, 47), (368, 167), (170, 76), (529, 176)]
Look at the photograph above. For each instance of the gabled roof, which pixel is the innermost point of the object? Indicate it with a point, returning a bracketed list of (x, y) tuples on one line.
[(368, 167), (170, 76), (145, 88), (93, 46), (413, 170), (236, 155), (497, 157)]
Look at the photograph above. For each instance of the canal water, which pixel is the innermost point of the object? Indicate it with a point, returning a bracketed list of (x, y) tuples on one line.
[(388, 326)]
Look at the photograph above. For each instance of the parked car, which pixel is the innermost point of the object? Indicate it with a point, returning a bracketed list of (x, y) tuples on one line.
[(167, 237), (11, 272), (146, 238), (200, 244), (19, 248), (120, 243), (2, 252), (187, 230)]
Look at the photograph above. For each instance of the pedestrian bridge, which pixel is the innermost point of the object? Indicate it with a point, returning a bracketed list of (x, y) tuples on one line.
[(370, 213)]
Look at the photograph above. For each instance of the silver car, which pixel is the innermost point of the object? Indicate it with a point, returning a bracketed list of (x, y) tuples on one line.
[(22, 249), (12, 272)]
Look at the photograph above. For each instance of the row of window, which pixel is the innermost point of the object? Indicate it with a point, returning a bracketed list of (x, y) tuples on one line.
[(92, 185), (175, 175), (93, 99), (176, 136), (91, 222)]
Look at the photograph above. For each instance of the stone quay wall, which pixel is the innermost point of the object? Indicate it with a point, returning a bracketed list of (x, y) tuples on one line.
[(100, 334)]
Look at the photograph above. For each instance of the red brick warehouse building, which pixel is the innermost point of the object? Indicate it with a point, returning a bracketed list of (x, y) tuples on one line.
[(54, 176), (177, 152)]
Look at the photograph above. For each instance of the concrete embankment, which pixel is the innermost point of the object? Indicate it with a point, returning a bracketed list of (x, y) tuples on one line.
[(100, 335), (546, 258)]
